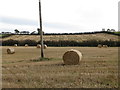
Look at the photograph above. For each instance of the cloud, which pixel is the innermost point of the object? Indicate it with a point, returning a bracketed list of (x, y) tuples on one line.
[(18, 21), (59, 25), (11, 22)]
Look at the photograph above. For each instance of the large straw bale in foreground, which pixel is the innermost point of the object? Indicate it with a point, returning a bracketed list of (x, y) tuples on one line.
[(72, 57), (10, 51)]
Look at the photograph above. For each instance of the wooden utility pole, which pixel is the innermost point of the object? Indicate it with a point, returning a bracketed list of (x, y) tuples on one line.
[(41, 32)]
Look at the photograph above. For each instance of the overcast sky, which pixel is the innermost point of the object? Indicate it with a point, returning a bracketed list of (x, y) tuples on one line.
[(59, 16)]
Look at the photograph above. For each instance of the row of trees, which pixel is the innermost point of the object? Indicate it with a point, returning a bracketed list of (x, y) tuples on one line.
[(38, 31), (21, 32), (91, 43), (27, 32), (16, 31), (108, 30), (35, 33)]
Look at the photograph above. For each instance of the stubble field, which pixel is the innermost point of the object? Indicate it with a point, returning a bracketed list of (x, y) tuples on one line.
[(98, 68)]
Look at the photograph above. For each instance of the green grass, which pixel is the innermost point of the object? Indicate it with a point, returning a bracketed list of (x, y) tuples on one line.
[(117, 32), (4, 35), (1, 35)]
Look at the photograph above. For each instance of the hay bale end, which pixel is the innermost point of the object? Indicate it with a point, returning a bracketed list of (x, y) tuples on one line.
[(15, 45), (45, 46), (72, 57), (105, 46), (26, 45), (10, 51), (99, 46), (38, 46)]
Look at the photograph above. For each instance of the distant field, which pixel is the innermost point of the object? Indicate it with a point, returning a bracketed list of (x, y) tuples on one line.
[(78, 38), (98, 68), (117, 32), (4, 35), (1, 35)]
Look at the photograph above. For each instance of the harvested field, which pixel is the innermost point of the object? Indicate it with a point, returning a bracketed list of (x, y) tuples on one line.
[(78, 38), (96, 69)]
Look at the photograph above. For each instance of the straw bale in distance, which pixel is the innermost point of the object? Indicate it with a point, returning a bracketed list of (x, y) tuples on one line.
[(10, 51), (99, 46), (105, 46), (15, 45), (72, 57), (45, 46), (38, 46), (26, 45)]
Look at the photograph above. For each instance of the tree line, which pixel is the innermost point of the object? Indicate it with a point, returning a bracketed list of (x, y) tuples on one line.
[(113, 33)]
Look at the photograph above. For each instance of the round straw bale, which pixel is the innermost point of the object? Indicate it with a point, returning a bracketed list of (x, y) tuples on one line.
[(99, 46), (26, 45), (105, 46), (45, 46), (72, 57), (38, 46), (10, 51), (15, 45)]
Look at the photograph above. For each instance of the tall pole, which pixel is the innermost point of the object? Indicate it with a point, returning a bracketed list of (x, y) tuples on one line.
[(41, 32)]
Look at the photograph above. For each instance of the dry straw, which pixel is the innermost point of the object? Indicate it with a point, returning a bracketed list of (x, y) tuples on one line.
[(99, 46), (38, 46), (10, 51), (72, 57), (45, 46)]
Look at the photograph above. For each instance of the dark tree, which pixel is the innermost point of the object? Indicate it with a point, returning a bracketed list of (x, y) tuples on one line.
[(16, 31), (39, 31), (108, 30)]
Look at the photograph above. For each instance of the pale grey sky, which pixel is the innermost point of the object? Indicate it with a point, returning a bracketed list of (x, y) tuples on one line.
[(59, 16)]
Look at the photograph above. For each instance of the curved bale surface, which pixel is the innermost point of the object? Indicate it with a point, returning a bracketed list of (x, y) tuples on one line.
[(105, 46), (72, 57), (38, 46), (99, 46), (45, 46), (15, 45), (26, 45), (10, 51)]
